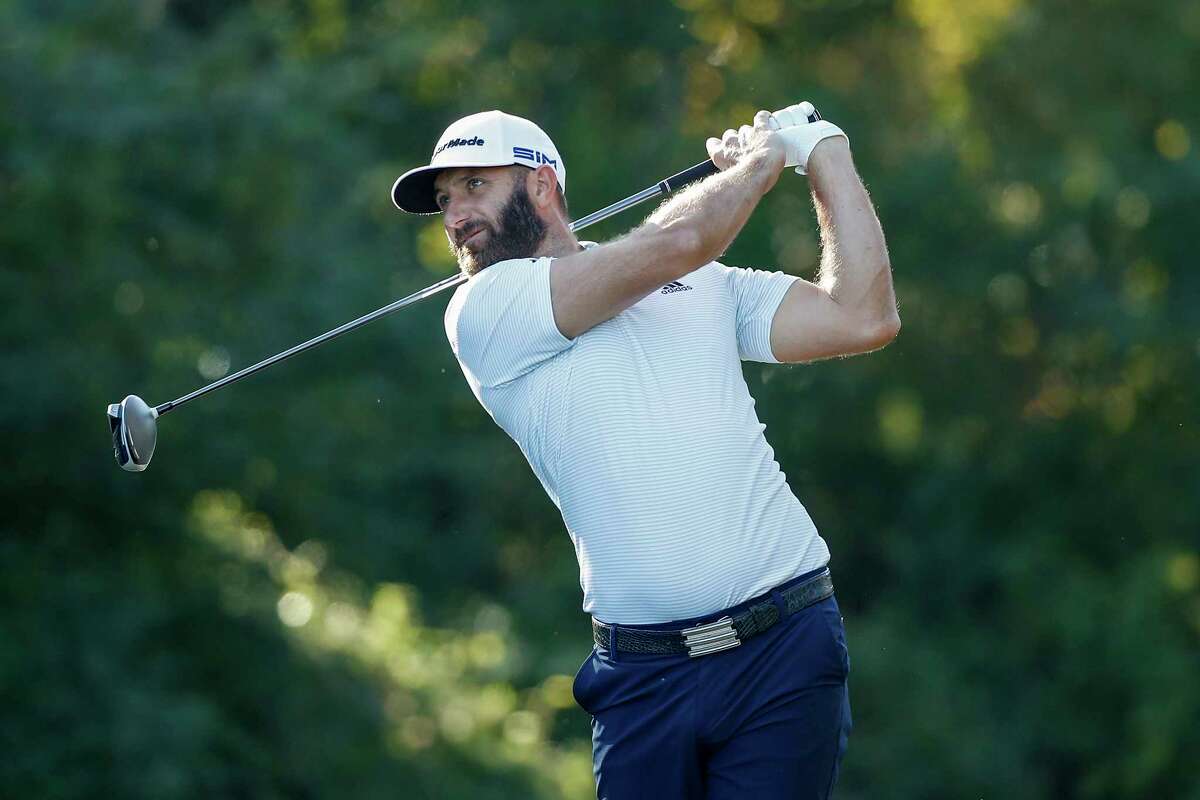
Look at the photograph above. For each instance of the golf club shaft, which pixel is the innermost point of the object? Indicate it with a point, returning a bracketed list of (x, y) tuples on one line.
[(665, 186), (453, 280)]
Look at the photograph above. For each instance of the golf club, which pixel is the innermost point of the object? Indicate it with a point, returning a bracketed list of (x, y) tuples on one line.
[(134, 423)]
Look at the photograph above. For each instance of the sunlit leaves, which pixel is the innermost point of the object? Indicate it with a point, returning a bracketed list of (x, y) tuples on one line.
[(444, 688)]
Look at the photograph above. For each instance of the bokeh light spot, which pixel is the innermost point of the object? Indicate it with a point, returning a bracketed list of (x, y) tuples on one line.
[(314, 552), (1133, 207), (745, 49), (957, 32), (901, 421), (342, 622), (704, 86), (456, 722), (523, 728), (644, 67), (213, 363), (1145, 284), (418, 732), (1087, 172), (1183, 572), (1172, 140), (488, 649), (295, 609), (128, 298), (493, 617), (1008, 292), (1018, 205), (760, 12), (1055, 398), (557, 691), (495, 702), (713, 27)]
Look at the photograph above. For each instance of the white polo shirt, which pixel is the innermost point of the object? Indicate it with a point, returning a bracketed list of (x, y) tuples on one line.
[(643, 432)]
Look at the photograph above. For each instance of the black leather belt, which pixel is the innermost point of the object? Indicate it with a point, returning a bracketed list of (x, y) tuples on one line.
[(720, 634)]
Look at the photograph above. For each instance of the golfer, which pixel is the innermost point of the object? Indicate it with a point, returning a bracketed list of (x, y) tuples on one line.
[(719, 667)]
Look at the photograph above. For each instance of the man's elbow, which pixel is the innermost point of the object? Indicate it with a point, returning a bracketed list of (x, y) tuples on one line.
[(886, 325), (694, 246), (880, 333), (687, 245)]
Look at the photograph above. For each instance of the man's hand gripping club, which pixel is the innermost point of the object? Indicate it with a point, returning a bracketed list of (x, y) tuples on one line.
[(795, 131)]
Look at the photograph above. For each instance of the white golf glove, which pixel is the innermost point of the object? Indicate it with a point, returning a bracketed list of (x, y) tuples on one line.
[(801, 127)]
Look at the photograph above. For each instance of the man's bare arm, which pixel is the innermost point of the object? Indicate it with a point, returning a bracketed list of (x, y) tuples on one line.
[(685, 233), (852, 306)]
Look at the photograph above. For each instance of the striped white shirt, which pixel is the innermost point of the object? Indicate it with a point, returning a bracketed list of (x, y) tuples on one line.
[(643, 432)]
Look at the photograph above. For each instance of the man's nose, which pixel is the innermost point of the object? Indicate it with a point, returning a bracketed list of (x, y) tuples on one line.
[(455, 216)]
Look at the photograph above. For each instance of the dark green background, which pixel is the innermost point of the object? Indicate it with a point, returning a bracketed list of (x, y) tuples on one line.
[(340, 579)]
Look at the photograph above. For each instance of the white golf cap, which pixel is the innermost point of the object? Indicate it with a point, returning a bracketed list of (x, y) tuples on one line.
[(487, 139)]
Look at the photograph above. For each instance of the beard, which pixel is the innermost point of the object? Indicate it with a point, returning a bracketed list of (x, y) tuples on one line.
[(519, 234)]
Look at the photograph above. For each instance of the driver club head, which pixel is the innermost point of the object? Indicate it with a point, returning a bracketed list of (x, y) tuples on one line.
[(134, 432)]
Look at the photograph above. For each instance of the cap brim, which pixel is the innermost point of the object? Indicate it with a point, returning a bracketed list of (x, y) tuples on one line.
[(413, 191)]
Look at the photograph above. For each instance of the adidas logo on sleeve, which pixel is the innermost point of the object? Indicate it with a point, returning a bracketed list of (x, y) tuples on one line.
[(674, 286)]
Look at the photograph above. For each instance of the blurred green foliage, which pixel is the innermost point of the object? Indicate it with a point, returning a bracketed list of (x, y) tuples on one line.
[(340, 579)]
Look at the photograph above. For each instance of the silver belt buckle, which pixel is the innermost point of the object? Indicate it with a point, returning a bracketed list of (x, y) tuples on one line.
[(711, 638)]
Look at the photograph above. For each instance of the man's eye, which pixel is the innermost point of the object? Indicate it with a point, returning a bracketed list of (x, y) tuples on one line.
[(474, 182), (442, 200)]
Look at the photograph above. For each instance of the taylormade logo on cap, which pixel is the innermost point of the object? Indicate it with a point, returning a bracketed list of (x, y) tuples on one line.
[(487, 139), (459, 143)]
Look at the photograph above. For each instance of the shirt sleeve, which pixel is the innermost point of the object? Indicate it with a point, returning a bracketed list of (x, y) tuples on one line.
[(500, 323), (756, 296)]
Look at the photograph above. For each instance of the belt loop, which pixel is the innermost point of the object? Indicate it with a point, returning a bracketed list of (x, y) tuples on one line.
[(612, 642), (777, 597)]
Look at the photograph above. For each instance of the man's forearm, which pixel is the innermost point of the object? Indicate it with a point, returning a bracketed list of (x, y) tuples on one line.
[(713, 211), (855, 269)]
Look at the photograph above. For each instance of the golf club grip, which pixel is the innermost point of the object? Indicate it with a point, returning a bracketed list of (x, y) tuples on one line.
[(689, 175)]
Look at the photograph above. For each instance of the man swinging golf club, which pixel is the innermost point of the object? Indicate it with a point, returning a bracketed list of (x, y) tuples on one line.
[(720, 664)]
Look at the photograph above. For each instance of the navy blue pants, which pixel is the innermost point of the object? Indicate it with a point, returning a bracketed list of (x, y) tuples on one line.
[(767, 719)]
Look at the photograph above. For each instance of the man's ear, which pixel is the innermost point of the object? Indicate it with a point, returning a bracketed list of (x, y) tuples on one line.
[(544, 186)]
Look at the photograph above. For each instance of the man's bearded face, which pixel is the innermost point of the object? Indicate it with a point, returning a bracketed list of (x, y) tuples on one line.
[(518, 233)]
